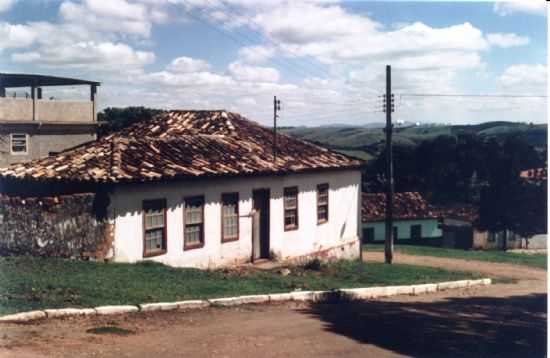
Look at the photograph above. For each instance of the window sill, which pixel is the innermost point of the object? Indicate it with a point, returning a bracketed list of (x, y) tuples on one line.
[(154, 253), (291, 228), (322, 222), (231, 239), (193, 247)]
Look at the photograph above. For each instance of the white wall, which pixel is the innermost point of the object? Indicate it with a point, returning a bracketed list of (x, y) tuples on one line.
[(342, 228), (430, 228)]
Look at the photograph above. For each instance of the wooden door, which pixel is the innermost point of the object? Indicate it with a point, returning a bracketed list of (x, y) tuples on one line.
[(260, 236)]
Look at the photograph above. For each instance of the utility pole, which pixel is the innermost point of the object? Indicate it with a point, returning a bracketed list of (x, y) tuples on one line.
[(388, 108), (276, 108)]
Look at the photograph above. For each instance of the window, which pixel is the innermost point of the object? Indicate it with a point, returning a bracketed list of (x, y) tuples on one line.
[(230, 217), (19, 143), (368, 234), (416, 232), (154, 227), (291, 208), (322, 203), (193, 235), (395, 232)]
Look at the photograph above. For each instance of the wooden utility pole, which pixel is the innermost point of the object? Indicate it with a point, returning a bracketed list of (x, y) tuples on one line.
[(388, 247), (276, 108)]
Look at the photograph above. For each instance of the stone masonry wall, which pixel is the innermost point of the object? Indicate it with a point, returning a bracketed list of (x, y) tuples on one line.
[(62, 226)]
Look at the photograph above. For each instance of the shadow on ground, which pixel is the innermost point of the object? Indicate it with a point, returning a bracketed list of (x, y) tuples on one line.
[(473, 327)]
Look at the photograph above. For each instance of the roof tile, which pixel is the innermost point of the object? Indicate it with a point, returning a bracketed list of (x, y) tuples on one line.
[(182, 144)]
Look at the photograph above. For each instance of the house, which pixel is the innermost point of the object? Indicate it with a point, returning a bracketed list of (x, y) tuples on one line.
[(535, 176), (33, 124), (460, 232), (414, 220), (203, 189)]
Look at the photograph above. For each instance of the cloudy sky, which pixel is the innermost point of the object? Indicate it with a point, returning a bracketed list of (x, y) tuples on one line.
[(325, 60)]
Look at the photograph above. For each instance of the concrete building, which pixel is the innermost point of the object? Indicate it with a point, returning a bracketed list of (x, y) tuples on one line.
[(203, 189), (33, 125), (414, 221)]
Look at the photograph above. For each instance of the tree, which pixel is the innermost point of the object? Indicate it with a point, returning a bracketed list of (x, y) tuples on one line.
[(113, 119), (508, 203)]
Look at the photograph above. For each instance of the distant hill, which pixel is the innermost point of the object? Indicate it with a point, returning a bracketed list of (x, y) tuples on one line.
[(366, 142)]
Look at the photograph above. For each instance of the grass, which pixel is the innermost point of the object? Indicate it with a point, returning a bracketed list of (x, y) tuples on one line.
[(28, 283), (110, 330), (531, 260)]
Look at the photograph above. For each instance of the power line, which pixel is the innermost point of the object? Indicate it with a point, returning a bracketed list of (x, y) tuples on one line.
[(277, 44), (469, 95), (245, 41)]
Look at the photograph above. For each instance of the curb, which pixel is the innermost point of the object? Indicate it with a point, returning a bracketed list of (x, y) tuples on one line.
[(299, 296)]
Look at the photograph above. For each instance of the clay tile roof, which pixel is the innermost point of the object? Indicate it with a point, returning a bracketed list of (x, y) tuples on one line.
[(465, 212), (407, 206), (535, 175), (182, 144)]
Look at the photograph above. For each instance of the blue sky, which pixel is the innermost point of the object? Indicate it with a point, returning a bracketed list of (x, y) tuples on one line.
[(324, 59)]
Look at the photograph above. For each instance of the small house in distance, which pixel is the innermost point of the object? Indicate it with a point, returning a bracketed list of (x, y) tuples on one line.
[(203, 189), (414, 221), (33, 124)]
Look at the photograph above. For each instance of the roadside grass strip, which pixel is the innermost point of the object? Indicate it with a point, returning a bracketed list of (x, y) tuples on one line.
[(536, 260), (333, 296), (34, 283)]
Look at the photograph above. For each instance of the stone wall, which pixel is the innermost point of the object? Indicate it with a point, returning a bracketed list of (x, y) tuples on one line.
[(62, 226)]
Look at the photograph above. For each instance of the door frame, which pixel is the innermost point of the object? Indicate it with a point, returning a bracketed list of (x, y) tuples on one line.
[(268, 241)]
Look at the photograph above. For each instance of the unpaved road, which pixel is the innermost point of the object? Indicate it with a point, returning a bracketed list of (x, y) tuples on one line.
[(502, 320)]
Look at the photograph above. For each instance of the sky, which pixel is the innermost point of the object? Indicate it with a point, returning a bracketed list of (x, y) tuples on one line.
[(324, 59)]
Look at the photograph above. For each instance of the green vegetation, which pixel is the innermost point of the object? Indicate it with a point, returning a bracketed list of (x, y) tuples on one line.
[(531, 260), (28, 283), (371, 139), (110, 330), (361, 154)]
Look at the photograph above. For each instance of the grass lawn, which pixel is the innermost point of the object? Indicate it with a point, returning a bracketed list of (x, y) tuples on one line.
[(28, 283), (532, 260)]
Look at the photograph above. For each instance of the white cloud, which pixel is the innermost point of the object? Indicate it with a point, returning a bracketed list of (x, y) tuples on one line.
[(117, 8), (105, 19), (253, 73), (524, 78), (15, 36), (533, 7), (454, 60), (187, 64), (187, 80), (507, 40), (89, 55), (5, 5), (256, 54)]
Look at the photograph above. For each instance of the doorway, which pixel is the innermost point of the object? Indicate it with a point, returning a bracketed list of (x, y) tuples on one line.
[(260, 224)]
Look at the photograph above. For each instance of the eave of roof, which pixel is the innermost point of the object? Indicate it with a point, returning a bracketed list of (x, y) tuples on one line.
[(14, 80)]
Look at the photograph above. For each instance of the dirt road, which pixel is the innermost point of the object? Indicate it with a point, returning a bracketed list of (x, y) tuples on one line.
[(504, 320)]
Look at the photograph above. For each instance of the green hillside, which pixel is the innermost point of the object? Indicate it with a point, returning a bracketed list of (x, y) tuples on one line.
[(366, 142)]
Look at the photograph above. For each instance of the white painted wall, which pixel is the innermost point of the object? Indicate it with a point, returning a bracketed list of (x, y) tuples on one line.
[(430, 228), (342, 228)]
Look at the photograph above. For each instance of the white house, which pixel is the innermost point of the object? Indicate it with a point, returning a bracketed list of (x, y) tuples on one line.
[(414, 220), (205, 189)]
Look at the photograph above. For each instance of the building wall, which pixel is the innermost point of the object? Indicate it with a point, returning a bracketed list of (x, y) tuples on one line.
[(430, 228), (483, 240), (64, 226), (340, 232), (19, 110), (40, 144)]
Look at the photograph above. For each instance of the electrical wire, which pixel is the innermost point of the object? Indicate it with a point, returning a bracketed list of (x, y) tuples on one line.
[(273, 42), (469, 95), (246, 41)]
